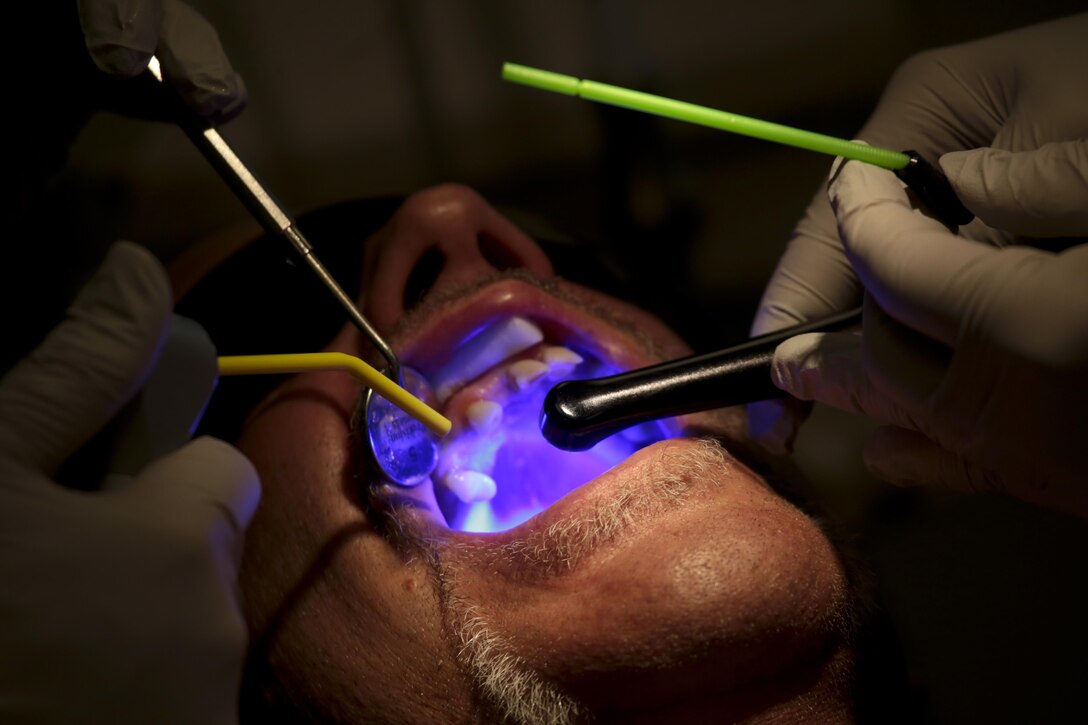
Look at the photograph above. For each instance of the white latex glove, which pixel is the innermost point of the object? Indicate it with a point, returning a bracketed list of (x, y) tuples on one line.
[(1016, 91), (122, 35), (118, 606), (977, 356)]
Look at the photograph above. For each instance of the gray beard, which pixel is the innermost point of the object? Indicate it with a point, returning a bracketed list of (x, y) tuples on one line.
[(503, 679)]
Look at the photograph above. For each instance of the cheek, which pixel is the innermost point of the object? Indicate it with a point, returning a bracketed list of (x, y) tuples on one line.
[(296, 442), (773, 575), (299, 442), (730, 584), (708, 600), (344, 619)]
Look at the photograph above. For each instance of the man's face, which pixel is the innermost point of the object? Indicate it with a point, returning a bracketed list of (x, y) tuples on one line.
[(675, 584)]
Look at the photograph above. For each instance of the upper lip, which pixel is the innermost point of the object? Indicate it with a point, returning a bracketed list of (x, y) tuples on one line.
[(428, 346)]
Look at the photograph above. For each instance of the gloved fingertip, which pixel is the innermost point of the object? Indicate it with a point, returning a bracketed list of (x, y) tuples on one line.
[(953, 163), (836, 169), (837, 166), (238, 484), (219, 99), (125, 252), (120, 61), (783, 375), (231, 109), (208, 475), (795, 367), (1033, 193), (129, 288)]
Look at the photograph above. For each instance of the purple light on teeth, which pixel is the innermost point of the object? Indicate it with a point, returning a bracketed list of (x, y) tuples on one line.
[(500, 471)]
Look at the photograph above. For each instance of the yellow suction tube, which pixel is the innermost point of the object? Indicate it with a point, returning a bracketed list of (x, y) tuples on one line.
[(318, 361)]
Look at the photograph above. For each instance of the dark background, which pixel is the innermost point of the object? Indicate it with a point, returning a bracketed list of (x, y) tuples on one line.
[(361, 99)]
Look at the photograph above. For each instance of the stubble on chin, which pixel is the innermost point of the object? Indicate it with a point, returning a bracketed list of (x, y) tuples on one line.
[(506, 684)]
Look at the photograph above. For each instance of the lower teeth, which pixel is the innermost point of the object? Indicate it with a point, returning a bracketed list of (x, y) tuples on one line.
[(470, 486)]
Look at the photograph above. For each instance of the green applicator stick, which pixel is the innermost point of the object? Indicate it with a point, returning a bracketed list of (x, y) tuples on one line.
[(923, 178), (703, 116)]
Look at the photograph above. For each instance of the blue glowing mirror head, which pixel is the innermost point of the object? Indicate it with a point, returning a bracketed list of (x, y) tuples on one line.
[(402, 447)]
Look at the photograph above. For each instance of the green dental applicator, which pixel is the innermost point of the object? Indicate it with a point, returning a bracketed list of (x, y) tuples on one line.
[(922, 177)]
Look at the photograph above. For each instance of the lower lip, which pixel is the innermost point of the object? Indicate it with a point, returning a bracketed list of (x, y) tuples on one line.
[(609, 485), (428, 346)]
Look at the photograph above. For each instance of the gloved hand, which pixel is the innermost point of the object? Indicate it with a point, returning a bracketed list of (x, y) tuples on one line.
[(977, 356), (85, 55), (1013, 91), (117, 606), (122, 35)]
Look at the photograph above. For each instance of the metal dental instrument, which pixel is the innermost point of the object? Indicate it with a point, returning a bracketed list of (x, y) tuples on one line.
[(578, 414), (276, 220), (922, 177), (269, 213)]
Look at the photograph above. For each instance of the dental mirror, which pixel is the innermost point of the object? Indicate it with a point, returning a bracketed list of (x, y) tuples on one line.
[(402, 447)]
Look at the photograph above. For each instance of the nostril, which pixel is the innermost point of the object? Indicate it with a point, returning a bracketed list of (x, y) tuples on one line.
[(497, 253), (422, 277)]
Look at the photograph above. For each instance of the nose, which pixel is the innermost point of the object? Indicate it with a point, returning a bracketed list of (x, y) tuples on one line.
[(441, 239)]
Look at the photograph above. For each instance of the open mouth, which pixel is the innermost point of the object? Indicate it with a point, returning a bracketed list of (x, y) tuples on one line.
[(490, 365)]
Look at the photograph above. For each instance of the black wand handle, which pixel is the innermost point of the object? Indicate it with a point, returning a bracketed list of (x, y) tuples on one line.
[(932, 187), (578, 414)]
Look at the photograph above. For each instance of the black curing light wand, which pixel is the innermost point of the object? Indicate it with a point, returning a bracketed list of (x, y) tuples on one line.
[(578, 414)]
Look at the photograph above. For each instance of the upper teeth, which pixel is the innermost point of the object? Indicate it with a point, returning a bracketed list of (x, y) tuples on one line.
[(467, 461), (524, 373), (561, 360), (484, 415), (482, 352), (502, 360)]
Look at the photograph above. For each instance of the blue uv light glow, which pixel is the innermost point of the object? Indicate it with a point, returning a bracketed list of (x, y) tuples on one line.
[(531, 474)]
